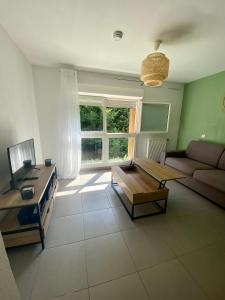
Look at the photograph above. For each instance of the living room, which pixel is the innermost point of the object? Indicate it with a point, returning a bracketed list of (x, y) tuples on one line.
[(76, 91)]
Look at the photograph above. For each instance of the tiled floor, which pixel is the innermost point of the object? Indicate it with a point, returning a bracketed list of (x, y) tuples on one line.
[(94, 251)]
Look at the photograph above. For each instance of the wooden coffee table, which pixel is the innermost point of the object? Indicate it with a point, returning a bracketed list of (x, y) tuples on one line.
[(142, 182)]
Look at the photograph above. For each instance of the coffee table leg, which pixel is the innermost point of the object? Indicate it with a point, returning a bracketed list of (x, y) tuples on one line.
[(162, 184), (132, 212), (165, 205)]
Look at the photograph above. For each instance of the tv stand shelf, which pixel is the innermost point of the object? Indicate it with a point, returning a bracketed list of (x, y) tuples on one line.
[(14, 234)]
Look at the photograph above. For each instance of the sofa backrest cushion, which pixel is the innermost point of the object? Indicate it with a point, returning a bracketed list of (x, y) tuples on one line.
[(204, 152), (221, 164)]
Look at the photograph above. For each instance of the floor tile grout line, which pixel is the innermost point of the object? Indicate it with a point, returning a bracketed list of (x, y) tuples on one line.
[(189, 251), (87, 239), (157, 264), (103, 235), (71, 215), (89, 295), (91, 286), (194, 280), (35, 276), (67, 216), (83, 215), (86, 266), (147, 293), (66, 294), (131, 256), (84, 212), (149, 267), (210, 244), (135, 266), (114, 220), (113, 279), (84, 235), (165, 242)]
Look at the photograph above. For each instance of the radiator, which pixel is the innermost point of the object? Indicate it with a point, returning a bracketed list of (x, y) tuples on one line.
[(155, 146)]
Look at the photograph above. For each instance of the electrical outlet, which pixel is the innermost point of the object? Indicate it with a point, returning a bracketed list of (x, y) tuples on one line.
[(203, 136)]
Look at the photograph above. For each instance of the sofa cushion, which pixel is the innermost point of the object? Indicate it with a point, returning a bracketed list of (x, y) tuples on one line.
[(186, 165), (221, 164), (205, 152), (214, 178)]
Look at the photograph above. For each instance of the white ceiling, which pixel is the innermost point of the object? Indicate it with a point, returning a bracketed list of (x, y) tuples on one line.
[(79, 32)]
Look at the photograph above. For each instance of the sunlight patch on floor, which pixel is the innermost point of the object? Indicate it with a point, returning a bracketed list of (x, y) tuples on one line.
[(81, 180), (65, 193), (105, 177), (93, 188)]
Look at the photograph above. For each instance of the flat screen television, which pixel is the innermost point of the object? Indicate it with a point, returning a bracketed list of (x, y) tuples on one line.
[(21, 160)]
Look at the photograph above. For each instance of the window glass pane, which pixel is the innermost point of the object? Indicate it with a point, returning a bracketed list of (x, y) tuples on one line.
[(91, 149), (154, 117), (118, 148), (117, 119), (91, 118)]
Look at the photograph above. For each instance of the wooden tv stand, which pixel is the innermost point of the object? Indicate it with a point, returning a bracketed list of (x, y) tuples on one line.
[(14, 234)]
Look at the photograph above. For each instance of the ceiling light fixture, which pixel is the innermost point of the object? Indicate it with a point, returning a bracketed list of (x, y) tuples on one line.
[(155, 67), (117, 35)]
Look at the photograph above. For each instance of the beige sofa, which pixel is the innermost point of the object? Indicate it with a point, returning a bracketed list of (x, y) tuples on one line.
[(204, 165)]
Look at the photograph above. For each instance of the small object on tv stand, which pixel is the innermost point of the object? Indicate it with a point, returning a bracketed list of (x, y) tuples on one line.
[(27, 163), (27, 192), (48, 162)]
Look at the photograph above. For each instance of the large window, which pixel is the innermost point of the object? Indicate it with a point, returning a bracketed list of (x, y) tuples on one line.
[(107, 130)]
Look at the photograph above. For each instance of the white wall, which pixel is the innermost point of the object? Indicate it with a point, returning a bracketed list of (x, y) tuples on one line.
[(18, 116), (46, 86), (9, 289), (171, 93)]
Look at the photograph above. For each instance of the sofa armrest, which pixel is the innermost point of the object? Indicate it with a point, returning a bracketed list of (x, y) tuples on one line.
[(177, 153)]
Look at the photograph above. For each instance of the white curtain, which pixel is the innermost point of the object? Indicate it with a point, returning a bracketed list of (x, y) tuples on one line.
[(69, 148)]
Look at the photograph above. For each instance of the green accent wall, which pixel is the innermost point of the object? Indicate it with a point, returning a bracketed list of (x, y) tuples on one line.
[(203, 111)]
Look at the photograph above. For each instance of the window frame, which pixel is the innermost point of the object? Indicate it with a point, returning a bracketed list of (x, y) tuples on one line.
[(104, 103), (168, 118)]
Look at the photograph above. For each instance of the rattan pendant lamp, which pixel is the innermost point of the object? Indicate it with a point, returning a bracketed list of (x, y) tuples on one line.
[(155, 67)]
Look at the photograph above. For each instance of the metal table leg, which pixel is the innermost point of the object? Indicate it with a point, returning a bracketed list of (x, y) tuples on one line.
[(41, 230)]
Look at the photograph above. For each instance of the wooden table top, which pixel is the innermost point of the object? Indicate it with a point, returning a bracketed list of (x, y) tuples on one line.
[(13, 199), (158, 171)]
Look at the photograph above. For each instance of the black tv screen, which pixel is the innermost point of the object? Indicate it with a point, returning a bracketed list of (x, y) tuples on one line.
[(19, 155)]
